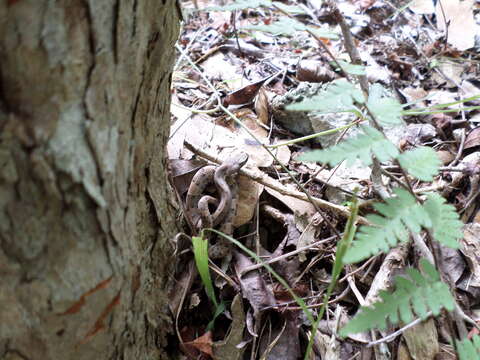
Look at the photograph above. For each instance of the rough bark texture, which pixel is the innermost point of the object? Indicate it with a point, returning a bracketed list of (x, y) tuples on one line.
[(85, 210)]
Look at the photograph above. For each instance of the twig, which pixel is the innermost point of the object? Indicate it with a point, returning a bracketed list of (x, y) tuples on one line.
[(284, 256), (350, 46), (264, 179), (393, 335)]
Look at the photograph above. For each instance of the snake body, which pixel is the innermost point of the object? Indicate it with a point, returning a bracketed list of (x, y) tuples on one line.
[(197, 203)]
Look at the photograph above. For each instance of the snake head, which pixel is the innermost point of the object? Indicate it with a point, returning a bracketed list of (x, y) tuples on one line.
[(235, 162)]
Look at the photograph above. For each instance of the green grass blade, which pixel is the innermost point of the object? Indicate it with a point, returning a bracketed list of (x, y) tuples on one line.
[(200, 252)]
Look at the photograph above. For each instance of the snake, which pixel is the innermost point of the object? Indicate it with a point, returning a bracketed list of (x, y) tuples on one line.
[(224, 178)]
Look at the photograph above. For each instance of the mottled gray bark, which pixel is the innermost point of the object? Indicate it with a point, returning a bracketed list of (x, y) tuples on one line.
[(85, 207)]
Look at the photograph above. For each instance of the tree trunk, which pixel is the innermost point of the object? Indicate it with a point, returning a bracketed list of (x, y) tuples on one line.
[(85, 207)]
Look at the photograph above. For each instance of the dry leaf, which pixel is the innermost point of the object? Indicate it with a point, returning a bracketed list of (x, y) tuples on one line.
[(203, 343), (245, 94), (229, 349), (461, 24), (422, 340), (446, 157), (422, 6), (473, 139), (262, 106), (314, 71), (248, 194), (471, 250), (296, 205), (254, 287)]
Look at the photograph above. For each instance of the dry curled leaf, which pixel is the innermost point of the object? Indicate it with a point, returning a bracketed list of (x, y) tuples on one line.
[(314, 71), (473, 139), (203, 343), (262, 106), (244, 94)]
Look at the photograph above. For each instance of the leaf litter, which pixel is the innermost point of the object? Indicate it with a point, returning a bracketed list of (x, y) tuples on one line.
[(252, 59)]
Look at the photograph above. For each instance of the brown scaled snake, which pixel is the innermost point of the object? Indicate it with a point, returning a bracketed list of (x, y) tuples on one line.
[(197, 203)]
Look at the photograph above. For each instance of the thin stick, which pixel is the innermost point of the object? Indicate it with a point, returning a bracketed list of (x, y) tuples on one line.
[(393, 335), (264, 179)]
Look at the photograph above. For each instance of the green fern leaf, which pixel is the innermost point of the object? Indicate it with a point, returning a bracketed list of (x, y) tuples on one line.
[(398, 215), (338, 97), (241, 5), (422, 163), (361, 147), (290, 9), (469, 349), (350, 68), (446, 227), (418, 294), (385, 109), (288, 26)]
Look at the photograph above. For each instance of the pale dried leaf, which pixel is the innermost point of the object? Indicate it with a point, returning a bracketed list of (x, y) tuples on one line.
[(248, 194), (422, 340), (254, 287), (459, 16), (422, 6), (473, 139), (296, 205), (216, 67), (283, 154), (471, 250), (262, 106), (314, 71)]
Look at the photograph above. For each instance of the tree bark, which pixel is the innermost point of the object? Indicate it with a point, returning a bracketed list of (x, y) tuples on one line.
[(85, 207)]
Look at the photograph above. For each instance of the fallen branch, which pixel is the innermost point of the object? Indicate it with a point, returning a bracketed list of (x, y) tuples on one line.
[(266, 180)]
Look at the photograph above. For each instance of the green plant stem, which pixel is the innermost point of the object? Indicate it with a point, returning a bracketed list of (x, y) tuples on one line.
[(471, 98), (417, 112), (342, 248), (309, 137)]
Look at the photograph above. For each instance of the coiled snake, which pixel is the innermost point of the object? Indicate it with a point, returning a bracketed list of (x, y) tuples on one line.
[(197, 203)]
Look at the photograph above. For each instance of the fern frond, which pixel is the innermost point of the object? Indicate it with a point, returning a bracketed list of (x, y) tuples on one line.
[(422, 163), (361, 147), (350, 68), (386, 109), (446, 228), (398, 215), (241, 5), (288, 26), (338, 97), (418, 294), (290, 9), (469, 349)]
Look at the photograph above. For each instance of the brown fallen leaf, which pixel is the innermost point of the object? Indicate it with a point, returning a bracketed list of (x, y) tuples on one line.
[(254, 287), (244, 94), (248, 193), (203, 343), (473, 139), (262, 106), (314, 71), (458, 16), (422, 340)]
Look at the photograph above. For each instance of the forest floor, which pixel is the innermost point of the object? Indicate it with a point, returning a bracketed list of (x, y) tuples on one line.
[(387, 96)]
